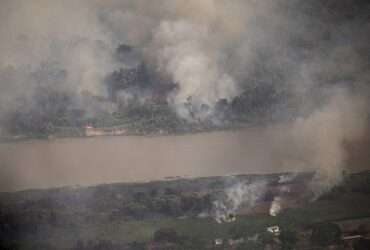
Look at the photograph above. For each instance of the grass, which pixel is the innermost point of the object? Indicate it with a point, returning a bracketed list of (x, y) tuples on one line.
[(143, 230), (95, 225)]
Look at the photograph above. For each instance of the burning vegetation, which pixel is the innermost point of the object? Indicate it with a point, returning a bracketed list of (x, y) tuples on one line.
[(191, 66), (296, 70), (178, 214)]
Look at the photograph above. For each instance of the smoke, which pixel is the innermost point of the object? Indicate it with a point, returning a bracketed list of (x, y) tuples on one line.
[(184, 54), (51, 47), (287, 178), (304, 65), (238, 195), (342, 120), (275, 208), (213, 50), (319, 140)]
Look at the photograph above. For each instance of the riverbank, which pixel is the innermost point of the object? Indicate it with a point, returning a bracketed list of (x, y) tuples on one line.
[(89, 132), (122, 214)]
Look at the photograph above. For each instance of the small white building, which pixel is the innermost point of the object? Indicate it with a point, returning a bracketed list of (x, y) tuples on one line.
[(275, 230), (219, 242)]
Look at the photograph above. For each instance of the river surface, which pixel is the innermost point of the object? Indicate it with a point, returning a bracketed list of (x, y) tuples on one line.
[(89, 161)]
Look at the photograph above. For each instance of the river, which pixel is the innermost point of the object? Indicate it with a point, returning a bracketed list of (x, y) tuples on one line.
[(89, 161)]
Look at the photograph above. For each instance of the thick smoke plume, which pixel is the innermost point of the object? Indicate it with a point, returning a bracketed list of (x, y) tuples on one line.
[(319, 139), (302, 64)]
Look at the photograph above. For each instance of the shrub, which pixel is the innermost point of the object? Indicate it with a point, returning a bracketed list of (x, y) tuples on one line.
[(326, 234)]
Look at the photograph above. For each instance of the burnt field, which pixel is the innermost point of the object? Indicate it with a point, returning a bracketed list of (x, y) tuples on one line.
[(130, 216)]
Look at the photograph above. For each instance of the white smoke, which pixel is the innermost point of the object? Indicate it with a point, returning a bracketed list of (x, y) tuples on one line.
[(209, 48), (56, 45), (241, 194), (275, 208), (213, 50), (184, 54), (287, 178), (319, 140)]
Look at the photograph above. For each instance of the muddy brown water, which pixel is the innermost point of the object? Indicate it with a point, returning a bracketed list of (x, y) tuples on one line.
[(89, 161)]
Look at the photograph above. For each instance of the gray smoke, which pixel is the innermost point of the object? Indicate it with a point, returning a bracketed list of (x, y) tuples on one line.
[(305, 63), (319, 139), (58, 46)]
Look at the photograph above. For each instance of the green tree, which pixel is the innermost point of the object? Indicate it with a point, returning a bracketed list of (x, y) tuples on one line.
[(255, 245), (191, 243), (266, 238), (362, 244), (166, 235), (326, 234), (242, 230), (288, 239)]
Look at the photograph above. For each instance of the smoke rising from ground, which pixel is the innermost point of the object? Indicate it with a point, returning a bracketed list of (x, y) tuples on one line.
[(238, 195), (275, 208), (319, 139), (304, 64)]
